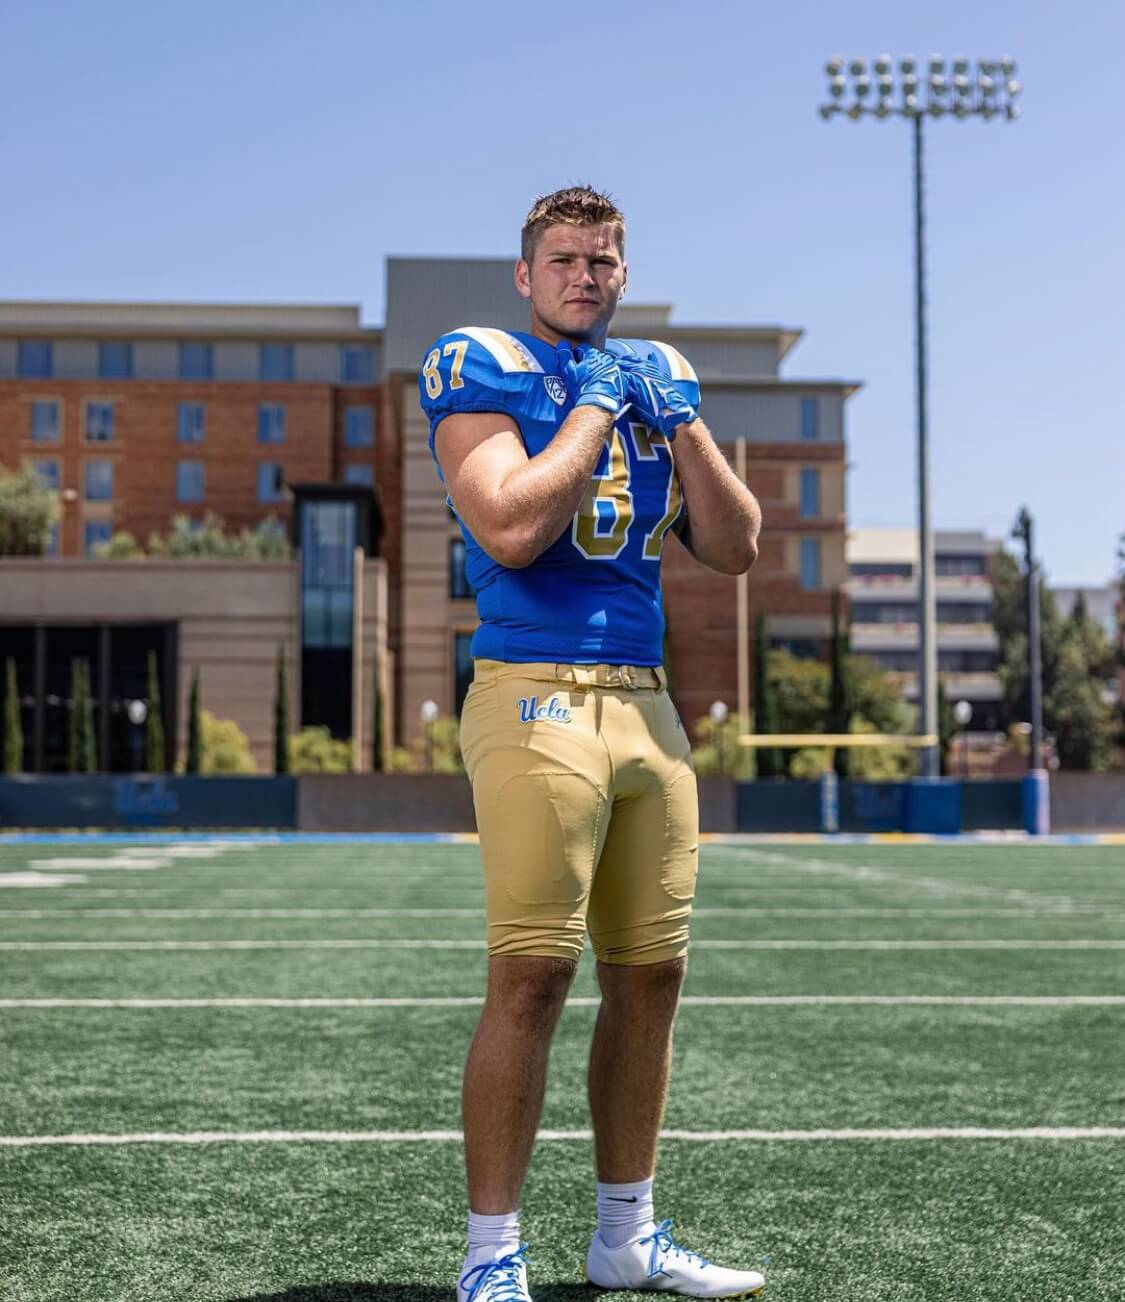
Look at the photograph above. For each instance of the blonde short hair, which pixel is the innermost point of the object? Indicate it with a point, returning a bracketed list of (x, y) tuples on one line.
[(578, 205)]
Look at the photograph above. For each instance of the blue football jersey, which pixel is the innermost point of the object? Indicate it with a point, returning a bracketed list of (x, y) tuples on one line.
[(594, 595)]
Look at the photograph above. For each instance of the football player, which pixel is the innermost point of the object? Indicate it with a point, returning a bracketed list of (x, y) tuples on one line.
[(568, 458)]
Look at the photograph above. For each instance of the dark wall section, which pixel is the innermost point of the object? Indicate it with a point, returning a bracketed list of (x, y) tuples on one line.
[(148, 802), (379, 802)]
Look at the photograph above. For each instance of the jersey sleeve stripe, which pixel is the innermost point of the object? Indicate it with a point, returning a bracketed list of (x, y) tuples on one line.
[(509, 353), (678, 364)]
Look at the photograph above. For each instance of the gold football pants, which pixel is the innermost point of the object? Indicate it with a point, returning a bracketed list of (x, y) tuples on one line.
[(586, 807)]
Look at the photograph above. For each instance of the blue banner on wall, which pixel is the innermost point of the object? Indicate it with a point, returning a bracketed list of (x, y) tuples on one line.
[(140, 801)]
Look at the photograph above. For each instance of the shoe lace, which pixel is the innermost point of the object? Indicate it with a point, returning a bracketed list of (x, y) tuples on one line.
[(663, 1245), (501, 1277)]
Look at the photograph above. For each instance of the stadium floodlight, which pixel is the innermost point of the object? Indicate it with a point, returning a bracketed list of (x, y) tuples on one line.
[(947, 87)]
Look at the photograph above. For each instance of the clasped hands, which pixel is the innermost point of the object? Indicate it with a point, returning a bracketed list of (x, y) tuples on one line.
[(597, 378)]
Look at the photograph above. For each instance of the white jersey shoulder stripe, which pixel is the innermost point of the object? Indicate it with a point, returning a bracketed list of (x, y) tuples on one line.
[(678, 364), (509, 352)]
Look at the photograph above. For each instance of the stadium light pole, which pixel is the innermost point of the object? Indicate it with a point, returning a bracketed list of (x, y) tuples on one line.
[(988, 92)]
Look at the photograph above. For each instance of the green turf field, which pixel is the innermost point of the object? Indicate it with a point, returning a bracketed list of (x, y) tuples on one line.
[(305, 943)]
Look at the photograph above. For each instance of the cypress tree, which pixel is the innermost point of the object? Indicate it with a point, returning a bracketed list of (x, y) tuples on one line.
[(377, 760), (839, 706), (770, 762), (281, 759), (13, 729), (74, 716), (154, 723), (194, 756), (87, 746)]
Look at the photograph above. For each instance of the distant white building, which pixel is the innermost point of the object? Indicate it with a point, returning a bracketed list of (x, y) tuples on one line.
[(882, 589)]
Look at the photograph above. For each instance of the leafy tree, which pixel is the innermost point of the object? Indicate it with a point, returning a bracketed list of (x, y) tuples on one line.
[(315, 750), (13, 728), (1077, 661), (839, 705), (947, 728), (267, 541), (87, 746), (717, 751), (194, 758), (224, 746), (1080, 717), (377, 758), (154, 723), (81, 749), (770, 762), (27, 512), (281, 754)]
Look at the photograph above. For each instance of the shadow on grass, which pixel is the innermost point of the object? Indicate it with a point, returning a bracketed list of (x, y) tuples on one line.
[(348, 1291)]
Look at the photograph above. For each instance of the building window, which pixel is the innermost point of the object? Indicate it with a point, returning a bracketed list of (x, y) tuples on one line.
[(957, 563), (190, 422), (275, 362), (881, 570), (810, 562), (99, 481), (196, 361), (271, 482), (45, 421), (52, 547), (356, 365), (359, 427), (362, 475), (810, 419), (800, 648), (48, 472), (810, 494), (99, 422), (189, 481), (115, 360), (462, 668), (95, 532), (459, 585), (35, 360), (271, 422)]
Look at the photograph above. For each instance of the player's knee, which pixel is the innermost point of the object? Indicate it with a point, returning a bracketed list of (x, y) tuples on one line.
[(530, 986)]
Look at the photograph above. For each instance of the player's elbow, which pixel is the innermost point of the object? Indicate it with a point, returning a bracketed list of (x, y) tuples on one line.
[(515, 549)]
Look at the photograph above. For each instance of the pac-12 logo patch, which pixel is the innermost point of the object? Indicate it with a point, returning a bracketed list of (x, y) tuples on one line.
[(556, 388)]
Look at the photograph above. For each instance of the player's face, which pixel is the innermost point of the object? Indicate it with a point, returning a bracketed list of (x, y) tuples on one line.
[(574, 280)]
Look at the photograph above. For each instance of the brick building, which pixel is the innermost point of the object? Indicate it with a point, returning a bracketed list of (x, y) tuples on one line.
[(137, 412)]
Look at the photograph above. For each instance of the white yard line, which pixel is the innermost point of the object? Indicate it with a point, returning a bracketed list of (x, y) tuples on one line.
[(590, 1001), (581, 1136), (126, 863), (385, 943), (706, 912), (33, 880), (865, 873)]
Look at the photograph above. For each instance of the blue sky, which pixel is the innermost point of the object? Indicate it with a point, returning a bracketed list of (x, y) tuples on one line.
[(279, 151)]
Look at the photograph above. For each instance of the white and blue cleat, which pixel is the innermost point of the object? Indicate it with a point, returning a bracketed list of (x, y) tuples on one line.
[(656, 1263), (494, 1275)]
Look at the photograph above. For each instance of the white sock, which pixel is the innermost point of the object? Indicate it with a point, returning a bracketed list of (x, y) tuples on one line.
[(625, 1211), (501, 1231)]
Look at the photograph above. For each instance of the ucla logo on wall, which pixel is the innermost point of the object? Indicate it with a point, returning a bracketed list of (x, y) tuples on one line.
[(556, 388), (551, 712)]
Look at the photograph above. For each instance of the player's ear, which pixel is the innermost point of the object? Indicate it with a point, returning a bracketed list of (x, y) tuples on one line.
[(523, 279)]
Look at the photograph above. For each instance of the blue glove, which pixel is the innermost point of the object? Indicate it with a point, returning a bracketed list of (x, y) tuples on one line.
[(654, 397), (592, 377)]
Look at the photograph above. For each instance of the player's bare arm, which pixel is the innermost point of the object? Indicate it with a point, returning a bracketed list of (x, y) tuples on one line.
[(517, 506), (724, 515)]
